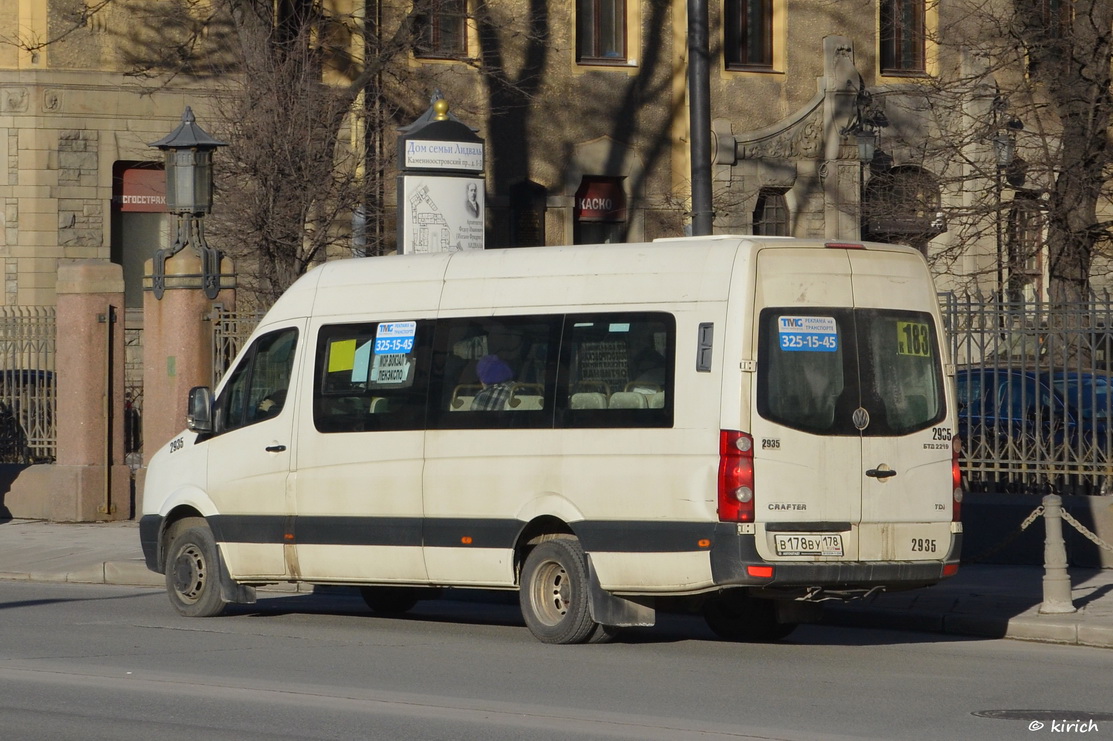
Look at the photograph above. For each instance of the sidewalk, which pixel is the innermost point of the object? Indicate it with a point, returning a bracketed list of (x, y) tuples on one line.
[(984, 600)]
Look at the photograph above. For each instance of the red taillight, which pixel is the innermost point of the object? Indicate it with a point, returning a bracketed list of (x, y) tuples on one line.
[(844, 245), (736, 476), (956, 480)]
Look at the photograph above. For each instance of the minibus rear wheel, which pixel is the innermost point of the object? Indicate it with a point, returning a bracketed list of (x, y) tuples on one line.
[(554, 593), (193, 570)]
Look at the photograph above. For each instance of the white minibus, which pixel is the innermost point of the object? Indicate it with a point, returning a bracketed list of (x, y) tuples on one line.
[(742, 426)]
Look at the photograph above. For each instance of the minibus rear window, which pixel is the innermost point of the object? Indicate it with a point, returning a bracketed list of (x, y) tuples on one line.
[(817, 366)]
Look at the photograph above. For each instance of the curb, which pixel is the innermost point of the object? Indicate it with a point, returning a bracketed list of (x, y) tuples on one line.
[(1027, 626)]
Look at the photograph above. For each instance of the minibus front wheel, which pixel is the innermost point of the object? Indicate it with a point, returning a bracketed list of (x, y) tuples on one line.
[(555, 594), (193, 570)]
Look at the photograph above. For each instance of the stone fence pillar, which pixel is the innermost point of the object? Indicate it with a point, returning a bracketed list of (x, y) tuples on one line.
[(177, 348), (92, 481)]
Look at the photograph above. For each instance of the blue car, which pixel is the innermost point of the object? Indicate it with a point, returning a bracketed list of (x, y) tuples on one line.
[(1035, 429), (1011, 404)]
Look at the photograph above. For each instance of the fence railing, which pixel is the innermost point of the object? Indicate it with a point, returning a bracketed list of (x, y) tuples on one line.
[(28, 389), (229, 333), (1034, 381), (1035, 401)]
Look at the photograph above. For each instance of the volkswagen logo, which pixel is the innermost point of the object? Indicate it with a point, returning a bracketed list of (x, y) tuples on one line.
[(860, 418)]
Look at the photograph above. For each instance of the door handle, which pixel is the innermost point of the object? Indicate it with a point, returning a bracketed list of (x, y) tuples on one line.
[(881, 472), (275, 448)]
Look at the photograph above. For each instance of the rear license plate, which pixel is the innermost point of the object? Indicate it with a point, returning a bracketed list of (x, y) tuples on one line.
[(804, 544)]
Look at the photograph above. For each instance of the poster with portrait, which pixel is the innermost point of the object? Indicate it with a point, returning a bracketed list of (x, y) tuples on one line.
[(441, 214)]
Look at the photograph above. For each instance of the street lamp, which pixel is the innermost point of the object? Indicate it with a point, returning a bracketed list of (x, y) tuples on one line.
[(865, 125), (189, 195)]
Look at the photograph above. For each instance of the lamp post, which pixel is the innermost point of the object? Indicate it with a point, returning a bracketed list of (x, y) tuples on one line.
[(865, 125), (189, 195)]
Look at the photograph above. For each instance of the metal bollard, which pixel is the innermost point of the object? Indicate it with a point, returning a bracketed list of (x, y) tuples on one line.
[(1056, 580)]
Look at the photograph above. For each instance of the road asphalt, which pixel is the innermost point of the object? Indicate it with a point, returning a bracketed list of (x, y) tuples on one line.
[(998, 601)]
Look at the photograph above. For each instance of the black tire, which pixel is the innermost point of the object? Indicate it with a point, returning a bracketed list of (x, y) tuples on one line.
[(603, 633), (736, 616), (390, 600), (554, 594), (193, 570)]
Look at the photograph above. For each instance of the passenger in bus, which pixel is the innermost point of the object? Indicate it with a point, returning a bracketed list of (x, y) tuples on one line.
[(647, 370), (495, 375)]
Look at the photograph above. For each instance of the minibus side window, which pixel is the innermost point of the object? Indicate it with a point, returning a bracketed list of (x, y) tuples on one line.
[(371, 376), (493, 372), (257, 388), (617, 369)]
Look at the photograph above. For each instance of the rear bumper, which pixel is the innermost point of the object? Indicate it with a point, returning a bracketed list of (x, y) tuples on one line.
[(735, 562)]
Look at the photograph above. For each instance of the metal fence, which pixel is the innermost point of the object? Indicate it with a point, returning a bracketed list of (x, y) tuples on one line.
[(230, 332), (1034, 381), (1035, 403), (28, 386)]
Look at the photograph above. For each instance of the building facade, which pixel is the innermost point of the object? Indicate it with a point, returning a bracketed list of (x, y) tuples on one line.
[(822, 126)]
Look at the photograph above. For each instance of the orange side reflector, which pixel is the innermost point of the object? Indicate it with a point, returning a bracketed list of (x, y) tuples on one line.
[(704, 543), (760, 572), (288, 536), (466, 540)]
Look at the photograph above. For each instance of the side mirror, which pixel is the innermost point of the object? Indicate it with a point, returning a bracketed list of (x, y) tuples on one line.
[(199, 410)]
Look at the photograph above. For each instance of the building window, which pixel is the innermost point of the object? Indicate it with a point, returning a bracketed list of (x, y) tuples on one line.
[(440, 30), (771, 214), (902, 36), (1047, 34), (527, 214), (1025, 247), (748, 34), (1056, 16), (601, 31)]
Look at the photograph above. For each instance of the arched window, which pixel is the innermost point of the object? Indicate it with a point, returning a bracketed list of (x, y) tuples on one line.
[(903, 205), (771, 214)]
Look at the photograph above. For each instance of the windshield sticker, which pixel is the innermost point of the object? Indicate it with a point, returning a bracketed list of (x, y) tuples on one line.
[(808, 333), (390, 370), (392, 338), (913, 338), (341, 355)]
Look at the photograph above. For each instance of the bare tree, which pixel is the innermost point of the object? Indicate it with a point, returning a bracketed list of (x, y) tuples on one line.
[(1019, 118)]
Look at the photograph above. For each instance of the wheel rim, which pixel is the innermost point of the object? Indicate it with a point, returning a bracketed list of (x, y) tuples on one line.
[(190, 573), (551, 592)]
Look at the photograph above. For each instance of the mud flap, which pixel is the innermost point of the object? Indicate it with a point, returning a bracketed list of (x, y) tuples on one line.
[(610, 609), (231, 591)]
